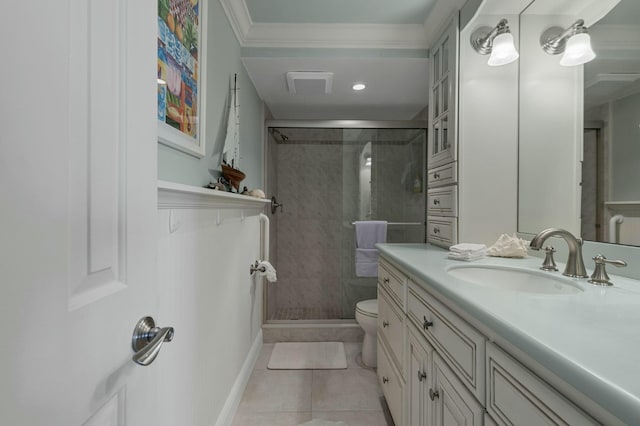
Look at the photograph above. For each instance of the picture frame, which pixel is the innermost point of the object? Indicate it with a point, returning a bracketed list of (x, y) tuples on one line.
[(182, 30)]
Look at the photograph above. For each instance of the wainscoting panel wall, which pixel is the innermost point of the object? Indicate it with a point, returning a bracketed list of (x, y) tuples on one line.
[(205, 246)]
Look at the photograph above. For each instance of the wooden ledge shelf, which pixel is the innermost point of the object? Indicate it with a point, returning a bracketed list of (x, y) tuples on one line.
[(179, 196)]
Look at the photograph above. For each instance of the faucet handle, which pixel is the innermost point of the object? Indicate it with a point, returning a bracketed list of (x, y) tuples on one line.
[(549, 264), (599, 276)]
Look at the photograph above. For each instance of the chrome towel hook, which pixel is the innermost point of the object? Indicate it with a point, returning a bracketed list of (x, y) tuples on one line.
[(256, 267), (275, 204)]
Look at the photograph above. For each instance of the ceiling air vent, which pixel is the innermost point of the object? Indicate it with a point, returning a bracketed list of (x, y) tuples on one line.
[(310, 82)]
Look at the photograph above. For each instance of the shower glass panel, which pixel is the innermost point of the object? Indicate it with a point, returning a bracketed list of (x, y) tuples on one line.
[(327, 178)]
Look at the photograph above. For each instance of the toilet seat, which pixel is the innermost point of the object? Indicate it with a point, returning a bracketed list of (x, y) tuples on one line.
[(368, 308)]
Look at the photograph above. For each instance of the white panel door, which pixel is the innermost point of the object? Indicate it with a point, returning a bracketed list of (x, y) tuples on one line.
[(78, 191)]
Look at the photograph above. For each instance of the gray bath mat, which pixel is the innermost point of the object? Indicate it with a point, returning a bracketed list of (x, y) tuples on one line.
[(308, 356)]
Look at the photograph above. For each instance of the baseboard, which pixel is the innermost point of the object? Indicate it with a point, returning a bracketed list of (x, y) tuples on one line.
[(237, 390)]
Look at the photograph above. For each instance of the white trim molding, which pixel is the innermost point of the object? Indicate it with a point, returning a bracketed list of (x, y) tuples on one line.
[(235, 395), (178, 196), (346, 36)]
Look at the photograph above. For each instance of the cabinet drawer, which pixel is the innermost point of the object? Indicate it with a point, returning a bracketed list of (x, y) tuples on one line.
[(516, 396), (390, 384), (461, 345), (443, 175), (391, 328), (442, 231), (442, 201), (393, 281)]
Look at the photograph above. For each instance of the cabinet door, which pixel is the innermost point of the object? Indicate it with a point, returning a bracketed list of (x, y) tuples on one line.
[(516, 396), (442, 98), (453, 403), (390, 383), (419, 379)]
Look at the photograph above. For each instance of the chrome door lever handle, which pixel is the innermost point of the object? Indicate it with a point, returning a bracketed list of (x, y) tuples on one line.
[(147, 340)]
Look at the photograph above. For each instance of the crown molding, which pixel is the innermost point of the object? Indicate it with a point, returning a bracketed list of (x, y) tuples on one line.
[(337, 36), (381, 36), (238, 17)]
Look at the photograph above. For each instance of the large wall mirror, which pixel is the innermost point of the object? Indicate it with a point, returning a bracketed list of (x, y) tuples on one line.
[(579, 137)]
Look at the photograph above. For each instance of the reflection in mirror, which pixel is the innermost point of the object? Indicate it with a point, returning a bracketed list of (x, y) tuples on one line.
[(611, 167), (595, 191)]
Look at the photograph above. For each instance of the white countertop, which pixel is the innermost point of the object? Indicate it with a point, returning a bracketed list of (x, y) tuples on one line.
[(589, 339)]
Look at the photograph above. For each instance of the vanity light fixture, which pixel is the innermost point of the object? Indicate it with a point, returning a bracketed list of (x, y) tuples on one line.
[(497, 41), (359, 86), (575, 42)]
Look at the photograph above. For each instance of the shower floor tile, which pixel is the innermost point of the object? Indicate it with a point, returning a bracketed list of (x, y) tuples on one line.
[(351, 396)]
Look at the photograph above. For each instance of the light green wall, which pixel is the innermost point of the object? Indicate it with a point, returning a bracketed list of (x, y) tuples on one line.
[(223, 60)]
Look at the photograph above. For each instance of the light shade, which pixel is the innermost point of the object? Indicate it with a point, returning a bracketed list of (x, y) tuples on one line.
[(359, 86), (496, 41), (578, 50), (503, 50)]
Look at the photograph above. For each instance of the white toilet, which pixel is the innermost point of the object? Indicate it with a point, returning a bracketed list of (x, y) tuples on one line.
[(367, 317)]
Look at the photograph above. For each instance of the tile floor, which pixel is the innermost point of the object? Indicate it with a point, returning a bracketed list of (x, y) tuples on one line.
[(291, 397)]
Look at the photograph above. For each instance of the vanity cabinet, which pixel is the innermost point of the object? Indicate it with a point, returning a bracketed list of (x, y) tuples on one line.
[(391, 337), (453, 404), (442, 143), (436, 368), (443, 98), (435, 394), (458, 343), (419, 373), (515, 395)]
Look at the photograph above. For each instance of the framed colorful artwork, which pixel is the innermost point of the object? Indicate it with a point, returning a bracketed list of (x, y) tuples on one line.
[(181, 86)]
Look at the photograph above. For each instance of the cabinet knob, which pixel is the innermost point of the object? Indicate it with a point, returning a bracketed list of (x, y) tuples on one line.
[(433, 394), (385, 324), (426, 324), (436, 175), (436, 201), (421, 375), (436, 230), (385, 379), (385, 280)]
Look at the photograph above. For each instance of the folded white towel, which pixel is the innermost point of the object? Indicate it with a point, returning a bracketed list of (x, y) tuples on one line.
[(467, 248), (370, 232), (467, 257)]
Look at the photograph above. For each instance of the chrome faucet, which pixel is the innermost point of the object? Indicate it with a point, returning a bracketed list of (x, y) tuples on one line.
[(575, 265)]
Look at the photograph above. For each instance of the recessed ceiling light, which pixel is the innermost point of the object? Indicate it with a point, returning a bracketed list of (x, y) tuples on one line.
[(359, 86)]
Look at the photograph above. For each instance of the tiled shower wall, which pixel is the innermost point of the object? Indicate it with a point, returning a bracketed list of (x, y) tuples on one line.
[(317, 180)]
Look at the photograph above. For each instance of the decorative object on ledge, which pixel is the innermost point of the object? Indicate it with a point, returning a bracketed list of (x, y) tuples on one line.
[(231, 150)]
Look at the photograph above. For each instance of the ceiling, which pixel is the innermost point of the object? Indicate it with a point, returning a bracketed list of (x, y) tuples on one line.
[(382, 43), (615, 72)]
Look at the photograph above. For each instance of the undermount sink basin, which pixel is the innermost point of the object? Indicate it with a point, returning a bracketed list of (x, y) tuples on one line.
[(519, 280)]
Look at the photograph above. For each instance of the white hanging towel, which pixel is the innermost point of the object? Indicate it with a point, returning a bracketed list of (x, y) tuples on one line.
[(269, 271), (368, 234)]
